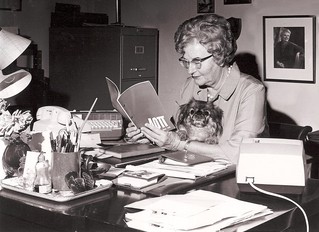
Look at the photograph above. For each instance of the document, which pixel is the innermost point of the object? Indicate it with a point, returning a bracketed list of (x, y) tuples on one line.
[(187, 172), (140, 104), (199, 210)]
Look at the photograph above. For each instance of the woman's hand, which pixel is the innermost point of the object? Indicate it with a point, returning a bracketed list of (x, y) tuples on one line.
[(169, 140), (133, 134)]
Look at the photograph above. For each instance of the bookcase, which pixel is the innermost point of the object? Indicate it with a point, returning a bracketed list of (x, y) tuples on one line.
[(81, 58)]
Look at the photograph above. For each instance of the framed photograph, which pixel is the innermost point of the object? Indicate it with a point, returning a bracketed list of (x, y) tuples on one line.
[(289, 48), (229, 2), (11, 5), (205, 6)]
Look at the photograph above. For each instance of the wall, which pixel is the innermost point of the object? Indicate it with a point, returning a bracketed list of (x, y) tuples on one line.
[(297, 101), (293, 100)]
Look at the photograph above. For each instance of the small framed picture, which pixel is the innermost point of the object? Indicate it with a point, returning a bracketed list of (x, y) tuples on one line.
[(229, 2), (205, 6), (289, 48)]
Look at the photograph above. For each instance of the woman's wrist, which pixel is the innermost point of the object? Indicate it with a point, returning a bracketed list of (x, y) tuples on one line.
[(181, 145), (186, 146)]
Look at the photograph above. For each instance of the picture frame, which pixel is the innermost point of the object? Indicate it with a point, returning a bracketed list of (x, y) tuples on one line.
[(10, 5), (205, 6), (289, 48), (230, 2)]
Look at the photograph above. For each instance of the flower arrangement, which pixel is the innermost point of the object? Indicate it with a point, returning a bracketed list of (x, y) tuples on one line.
[(12, 125)]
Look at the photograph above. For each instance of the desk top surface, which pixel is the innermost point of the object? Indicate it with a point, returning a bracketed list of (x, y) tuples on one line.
[(106, 209)]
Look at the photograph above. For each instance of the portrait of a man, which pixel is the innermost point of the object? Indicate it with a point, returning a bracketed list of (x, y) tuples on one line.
[(289, 47)]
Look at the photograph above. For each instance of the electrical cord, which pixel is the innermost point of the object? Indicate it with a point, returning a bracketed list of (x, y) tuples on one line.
[(285, 198)]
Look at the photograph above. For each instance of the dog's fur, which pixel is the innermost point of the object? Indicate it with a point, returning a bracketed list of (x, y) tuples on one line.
[(200, 121)]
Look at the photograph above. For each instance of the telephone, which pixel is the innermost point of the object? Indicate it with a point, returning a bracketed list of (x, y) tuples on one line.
[(51, 118), (54, 114)]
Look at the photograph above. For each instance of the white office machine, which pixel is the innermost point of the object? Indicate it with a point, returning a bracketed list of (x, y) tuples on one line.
[(276, 165), (51, 118), (108, 123)]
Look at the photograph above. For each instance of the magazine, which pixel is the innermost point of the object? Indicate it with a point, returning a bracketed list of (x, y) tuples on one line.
[(140, 104), (138, 179)]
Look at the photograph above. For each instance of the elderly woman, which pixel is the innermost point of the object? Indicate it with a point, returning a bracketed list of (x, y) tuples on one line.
[(207, 47)]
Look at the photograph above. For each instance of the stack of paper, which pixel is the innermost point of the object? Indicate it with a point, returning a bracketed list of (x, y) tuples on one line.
[(198, 210), (187, 172)]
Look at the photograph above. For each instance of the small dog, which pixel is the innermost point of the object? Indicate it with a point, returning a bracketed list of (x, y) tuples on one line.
[(200, 121)]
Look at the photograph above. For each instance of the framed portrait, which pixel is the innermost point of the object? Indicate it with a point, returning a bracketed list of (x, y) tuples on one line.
[(289, 47), (11, 5), (229, 2), (205, 6)]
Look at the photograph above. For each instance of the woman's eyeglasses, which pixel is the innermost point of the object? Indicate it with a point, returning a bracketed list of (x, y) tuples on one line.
[(196, 61)]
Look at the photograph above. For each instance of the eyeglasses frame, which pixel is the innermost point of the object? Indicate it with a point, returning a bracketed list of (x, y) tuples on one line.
[(196, 61)]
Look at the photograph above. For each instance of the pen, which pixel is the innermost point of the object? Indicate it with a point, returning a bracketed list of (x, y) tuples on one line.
[(82, 126)]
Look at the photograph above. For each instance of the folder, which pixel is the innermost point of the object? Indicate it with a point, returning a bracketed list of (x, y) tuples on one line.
[(184, 158)]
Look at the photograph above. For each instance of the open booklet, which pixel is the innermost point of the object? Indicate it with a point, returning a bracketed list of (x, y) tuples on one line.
[(140, 104)]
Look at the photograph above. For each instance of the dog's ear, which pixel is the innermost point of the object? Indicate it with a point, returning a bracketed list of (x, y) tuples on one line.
[(218, 119), (182, 114), (216, 114)]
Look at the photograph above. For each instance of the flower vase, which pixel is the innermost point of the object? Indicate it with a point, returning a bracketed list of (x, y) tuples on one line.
[(3, 144), (13, 152)]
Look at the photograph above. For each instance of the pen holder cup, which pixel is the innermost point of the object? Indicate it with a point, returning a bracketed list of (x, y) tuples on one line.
[(62, 164)]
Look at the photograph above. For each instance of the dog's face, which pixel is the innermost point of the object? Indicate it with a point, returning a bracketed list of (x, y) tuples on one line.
[(201, 120)]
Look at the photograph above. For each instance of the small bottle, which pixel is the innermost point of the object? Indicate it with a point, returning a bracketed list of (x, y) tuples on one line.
[(42, 182)]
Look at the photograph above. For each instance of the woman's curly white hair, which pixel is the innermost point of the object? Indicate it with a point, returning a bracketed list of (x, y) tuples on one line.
[(213, 32)]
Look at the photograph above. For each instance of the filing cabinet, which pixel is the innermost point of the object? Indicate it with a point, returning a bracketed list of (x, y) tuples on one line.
[(81, 58)]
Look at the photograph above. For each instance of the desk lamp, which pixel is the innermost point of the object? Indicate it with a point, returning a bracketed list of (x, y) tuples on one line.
[(11, 47)]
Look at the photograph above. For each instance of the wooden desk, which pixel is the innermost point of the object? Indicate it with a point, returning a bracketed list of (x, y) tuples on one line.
[(105, 211)]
